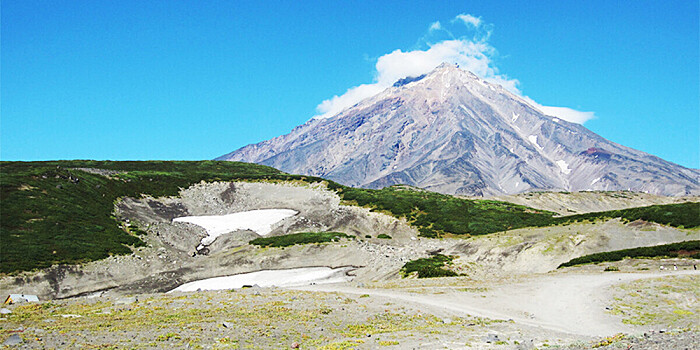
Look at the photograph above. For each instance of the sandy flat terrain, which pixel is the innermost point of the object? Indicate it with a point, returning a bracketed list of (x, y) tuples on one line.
[(569, 303)]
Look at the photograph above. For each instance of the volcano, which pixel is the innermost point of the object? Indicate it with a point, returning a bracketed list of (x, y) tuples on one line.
[(452, 132)]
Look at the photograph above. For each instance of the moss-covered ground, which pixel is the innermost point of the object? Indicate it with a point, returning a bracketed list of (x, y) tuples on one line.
[(243, 319), (670, 302)]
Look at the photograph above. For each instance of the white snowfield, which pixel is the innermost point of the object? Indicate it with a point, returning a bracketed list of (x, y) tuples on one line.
[(259, 221), (564, 166), (268, 278), (533, 139)]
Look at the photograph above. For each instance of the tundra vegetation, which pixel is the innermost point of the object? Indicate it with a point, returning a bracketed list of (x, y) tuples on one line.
[(240, 319), (435, 266), (690, 249), (55, 214), (299, 238), (61, 212)]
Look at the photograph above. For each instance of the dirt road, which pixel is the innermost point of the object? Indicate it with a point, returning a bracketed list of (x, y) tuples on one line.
[(570, 303)]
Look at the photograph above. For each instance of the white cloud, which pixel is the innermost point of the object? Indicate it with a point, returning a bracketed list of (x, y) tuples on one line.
[(567, 114), (337, 104), (469, 19), (474, 54)]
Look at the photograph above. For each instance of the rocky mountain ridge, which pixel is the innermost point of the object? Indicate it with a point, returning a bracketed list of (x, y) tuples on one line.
[(452, 132)]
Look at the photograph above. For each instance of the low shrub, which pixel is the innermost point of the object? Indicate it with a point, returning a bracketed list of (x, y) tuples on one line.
[(435, 266), (686, 215), (688, 248), (383, 236), (299, 238)]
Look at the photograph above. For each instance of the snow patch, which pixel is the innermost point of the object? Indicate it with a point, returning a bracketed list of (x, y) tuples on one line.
[(258, 221), (595, 180), (563, 166), (556, 120), (533, 139), (515, 117), (268, 278)]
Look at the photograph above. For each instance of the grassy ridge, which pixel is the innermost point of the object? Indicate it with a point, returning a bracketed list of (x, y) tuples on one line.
[(52, 214), (691, 248), (686, 215), (299, 238), (436, 214)]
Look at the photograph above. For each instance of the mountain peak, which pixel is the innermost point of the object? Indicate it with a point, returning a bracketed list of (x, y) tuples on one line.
[(450, 131)]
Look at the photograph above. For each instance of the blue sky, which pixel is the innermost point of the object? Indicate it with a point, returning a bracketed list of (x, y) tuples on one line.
[(197, 79)]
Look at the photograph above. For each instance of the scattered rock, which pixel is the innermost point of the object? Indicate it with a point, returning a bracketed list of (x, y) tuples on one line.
[(5, 311), (126, 301), (227, 324), (295, 345), (14, 339), (491, 338)]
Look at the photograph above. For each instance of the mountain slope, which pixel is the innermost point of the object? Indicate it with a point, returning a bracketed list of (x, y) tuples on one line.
[(452, 132)]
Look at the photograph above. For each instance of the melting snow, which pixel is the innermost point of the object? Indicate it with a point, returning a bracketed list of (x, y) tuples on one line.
[(563, 166), (595, 180), (268, 278), (533, 139), (515, 116), (259, 221)]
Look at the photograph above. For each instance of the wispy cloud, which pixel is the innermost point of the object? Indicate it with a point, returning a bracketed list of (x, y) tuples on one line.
[(567, 114), (469, 19), (471, 51)]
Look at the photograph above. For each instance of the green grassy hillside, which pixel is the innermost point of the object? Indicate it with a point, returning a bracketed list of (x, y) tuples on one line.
[(684, 215), (687, 248), (54, 214), (437, 214)]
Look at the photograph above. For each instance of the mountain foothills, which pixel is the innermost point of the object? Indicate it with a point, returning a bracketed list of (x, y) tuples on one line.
[(452, 132), (98, 238)]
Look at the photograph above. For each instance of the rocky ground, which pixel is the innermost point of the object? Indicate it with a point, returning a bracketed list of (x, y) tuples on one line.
[(511, 295), (408, 314)]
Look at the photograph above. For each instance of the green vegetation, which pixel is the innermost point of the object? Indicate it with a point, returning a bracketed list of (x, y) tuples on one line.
[(383, 236), (299, 238), (54, 214), (435, 266), (687, 248), (663, 302), (685, 215), (436, 214)]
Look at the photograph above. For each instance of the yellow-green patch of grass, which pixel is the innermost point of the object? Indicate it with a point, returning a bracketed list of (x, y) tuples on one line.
[(387, 342), (389, 323), (670, 301), (343, 345)]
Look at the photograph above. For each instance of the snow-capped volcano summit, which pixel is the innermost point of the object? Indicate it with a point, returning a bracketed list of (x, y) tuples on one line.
[(452, 132)]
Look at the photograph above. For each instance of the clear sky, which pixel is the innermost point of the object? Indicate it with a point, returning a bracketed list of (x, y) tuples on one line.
[(139, 80)]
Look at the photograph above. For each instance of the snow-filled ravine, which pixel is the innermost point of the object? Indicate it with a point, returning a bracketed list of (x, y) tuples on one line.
[(259, 221), (268, 278)]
